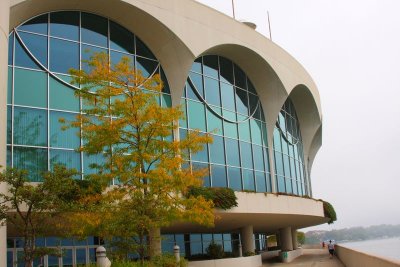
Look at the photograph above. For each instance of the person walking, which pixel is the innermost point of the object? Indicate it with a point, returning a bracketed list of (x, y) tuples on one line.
[(331, 249)]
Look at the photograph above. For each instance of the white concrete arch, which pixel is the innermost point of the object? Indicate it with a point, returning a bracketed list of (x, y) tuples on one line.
[(185, 29), (309, 120)]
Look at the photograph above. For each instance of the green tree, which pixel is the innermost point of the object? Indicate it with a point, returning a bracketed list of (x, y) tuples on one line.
[(32, 209), (134, 135)]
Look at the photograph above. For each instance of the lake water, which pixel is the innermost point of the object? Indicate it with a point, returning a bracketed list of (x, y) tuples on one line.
[(386, 248)]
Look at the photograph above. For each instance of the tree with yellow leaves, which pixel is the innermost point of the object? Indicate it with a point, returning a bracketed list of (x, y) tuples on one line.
[(135, 137)]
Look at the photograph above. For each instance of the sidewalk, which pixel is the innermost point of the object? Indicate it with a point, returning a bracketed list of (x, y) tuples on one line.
[(310, 258)]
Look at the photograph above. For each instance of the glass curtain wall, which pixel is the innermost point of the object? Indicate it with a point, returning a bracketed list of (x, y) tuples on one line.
[(41, 51), (219, 99), (290, 172)]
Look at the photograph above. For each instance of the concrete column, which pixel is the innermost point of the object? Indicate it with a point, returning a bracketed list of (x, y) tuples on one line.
[(155, 242), (294, 239), (4, 29), (286, 239), (246, 235)]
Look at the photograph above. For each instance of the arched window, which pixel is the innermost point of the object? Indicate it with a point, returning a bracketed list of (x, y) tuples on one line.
[(290, 172), (41, 51), (220, 99)]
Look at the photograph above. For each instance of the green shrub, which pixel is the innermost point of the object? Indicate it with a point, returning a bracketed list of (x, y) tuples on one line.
[(329, 212), (167, 260), (223, 198), (215, 251), (249, 253)]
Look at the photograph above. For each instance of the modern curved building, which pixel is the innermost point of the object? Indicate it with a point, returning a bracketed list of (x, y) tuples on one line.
[(260, 105)]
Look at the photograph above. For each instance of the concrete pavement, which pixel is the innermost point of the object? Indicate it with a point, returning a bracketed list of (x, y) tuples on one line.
[(310, 258)]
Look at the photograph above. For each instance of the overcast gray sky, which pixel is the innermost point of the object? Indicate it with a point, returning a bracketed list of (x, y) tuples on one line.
[(352, 51)]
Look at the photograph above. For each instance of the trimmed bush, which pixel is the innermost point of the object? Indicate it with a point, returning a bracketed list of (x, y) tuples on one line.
[(215, 251), (329, 212), (223, 198)]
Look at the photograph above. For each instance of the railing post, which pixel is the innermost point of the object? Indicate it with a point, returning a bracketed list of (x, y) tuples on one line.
[(102, 260), (177, 254)]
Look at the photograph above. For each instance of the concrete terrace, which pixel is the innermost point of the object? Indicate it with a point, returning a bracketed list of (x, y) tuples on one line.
[(310, 258)]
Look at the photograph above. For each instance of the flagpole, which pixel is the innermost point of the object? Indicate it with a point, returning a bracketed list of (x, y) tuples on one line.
[(233, 9), (269, 26)]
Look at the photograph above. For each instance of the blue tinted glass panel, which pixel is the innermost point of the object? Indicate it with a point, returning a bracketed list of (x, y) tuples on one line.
[(121, 39), (286, 166), (278, 164), (166, 100), (232, 147), (218, 175), (206, 178), (260, 182), (116, 57), (67, 257), (198, 83), (217, 151), (201, 155), (212, 91), (228, 96), (9, 157), (63, 138), (64, 55), (196, 116), (197, 65), (250, 87), (146, 66), (80, 256), (277, 140), (9, 259), (241, 101), (62, 97), (245, 153), (256, 134), (191, 92), (30, 126), (91, 163), (94, 29), (22, 59), (9, 85), (248, 180), (244, 129), (143, 50), (210, 66), (36, 25), (65, 24), (281, 184), (37, 46), (67, 158), (88, 52), (258, 158), (195, 244), (34, 160), (214, 122), (230, 128), (288, 182), (226, 70), (240, 78), (9, 125), (30, 88), (10, 48), (235, 180)]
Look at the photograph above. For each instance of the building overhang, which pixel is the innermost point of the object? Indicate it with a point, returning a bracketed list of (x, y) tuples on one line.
[(266, 212)]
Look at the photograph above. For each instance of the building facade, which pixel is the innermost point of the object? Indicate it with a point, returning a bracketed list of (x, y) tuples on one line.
[(260, 105)]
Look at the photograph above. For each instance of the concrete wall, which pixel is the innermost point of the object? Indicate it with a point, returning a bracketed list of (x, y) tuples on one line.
[(289, 256), (252, 261), (354, 258), (4, 21)]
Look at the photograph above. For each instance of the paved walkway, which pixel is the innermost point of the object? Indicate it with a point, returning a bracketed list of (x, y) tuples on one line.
[(310, 258)]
